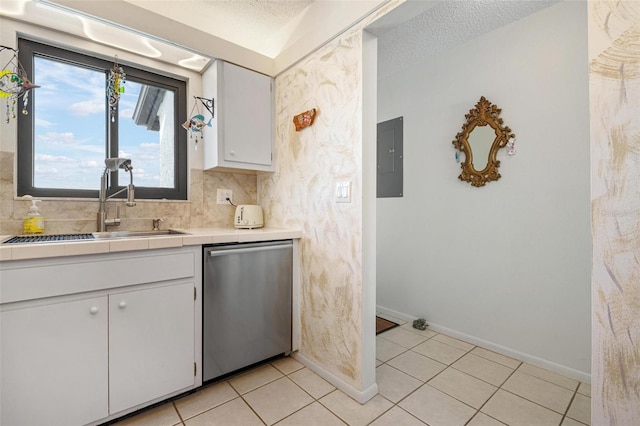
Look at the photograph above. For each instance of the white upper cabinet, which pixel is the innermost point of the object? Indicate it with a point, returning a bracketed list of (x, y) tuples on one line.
[(241, 135)]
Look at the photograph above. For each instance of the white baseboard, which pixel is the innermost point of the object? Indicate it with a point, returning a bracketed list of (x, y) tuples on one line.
[(396, 314), (361, 396), (543, 363)]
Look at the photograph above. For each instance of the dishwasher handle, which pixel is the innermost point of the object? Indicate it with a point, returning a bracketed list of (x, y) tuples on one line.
[(213, 253)]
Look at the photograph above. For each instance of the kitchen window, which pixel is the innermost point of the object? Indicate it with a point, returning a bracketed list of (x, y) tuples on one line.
[(69, 129)]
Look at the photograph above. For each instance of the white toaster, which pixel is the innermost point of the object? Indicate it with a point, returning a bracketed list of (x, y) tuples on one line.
[(248, 216)]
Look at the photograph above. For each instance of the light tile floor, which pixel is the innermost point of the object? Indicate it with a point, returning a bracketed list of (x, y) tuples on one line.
[(423, 378)]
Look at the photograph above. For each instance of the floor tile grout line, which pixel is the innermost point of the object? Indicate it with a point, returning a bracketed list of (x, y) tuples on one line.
[(254, 411), (238, 394), (173, 403), (484, 414), (467, 352), (548, 381), (417, 344), (536, 403), (478, 410), (394, 404), (297, 411), (422, 382), (521, 363), (433, 359), (451, 396), (334, 413), (444, 343), (261, 386), (493, 394), (566, 412), (417, 378), (497, 362), (273, 381), (483, 380), (210, 408)]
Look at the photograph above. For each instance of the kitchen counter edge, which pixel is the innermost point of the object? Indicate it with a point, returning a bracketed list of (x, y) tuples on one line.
[(187, 237)]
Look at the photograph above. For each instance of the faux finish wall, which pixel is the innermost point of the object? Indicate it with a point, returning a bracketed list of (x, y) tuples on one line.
[(506, 265), (615, 183), (336, 304), (302, 194)]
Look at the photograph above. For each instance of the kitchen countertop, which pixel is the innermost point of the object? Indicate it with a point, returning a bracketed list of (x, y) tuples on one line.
[(188, 237)]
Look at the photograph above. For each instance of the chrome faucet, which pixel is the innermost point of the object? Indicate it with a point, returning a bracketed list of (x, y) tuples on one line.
[(112, 165)]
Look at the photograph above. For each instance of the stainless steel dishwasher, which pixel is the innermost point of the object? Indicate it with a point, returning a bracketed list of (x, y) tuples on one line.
[(246, 304)]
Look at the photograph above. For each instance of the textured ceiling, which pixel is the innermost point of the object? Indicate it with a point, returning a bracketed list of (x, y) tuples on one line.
[(445, 25), (254, 24), (421, 29), (412, 33)]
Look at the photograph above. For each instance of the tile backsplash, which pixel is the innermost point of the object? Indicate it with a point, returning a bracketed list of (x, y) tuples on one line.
[(71, 216)]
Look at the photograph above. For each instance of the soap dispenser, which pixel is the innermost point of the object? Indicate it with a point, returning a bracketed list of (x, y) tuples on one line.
[(34, 221)]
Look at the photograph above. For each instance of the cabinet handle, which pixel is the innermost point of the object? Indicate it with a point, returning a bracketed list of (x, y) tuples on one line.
[(122, 305), (93, 310), (232, 153)]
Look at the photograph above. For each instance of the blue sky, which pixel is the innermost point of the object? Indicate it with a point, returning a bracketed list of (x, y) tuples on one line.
[(70, 129)]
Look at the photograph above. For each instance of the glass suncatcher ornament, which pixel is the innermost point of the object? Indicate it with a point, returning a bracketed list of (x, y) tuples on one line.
[(196, 123), (14, 84), (117, 79)]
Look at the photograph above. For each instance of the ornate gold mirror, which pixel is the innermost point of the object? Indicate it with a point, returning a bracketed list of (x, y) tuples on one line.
[(481, 137)]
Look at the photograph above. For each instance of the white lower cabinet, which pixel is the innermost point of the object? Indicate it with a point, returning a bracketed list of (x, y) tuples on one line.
[(151, 344), (54, 365), (75, 358)]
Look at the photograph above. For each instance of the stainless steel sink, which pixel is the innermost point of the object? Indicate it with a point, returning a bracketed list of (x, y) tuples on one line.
[(134, 234)]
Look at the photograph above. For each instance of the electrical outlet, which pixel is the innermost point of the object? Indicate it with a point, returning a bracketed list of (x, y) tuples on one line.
[(223, 194)]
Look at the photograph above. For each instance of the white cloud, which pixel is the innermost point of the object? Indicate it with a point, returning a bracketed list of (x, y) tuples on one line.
[(47, 158), (148, 157), (92, 148), (89, 164), (43, 123), (125, 112), (147, 146), (79, 88), (83, 108), (65, 138), (45, 170)]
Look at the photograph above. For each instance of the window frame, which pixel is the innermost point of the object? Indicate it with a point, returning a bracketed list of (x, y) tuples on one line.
[(27, 50)]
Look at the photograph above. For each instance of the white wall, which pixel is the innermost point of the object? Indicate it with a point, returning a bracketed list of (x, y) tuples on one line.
[(506, 265)]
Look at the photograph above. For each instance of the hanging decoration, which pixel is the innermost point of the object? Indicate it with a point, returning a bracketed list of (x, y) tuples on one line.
[(304, 119), (511, 146), (117, 79), (14, 84), (196, 123)]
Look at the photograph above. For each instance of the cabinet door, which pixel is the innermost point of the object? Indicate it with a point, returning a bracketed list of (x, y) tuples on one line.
[(54, 364), (248, 119), (151, 344)]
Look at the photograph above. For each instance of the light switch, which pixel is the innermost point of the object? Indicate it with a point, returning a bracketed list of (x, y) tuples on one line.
[(343, 192)]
